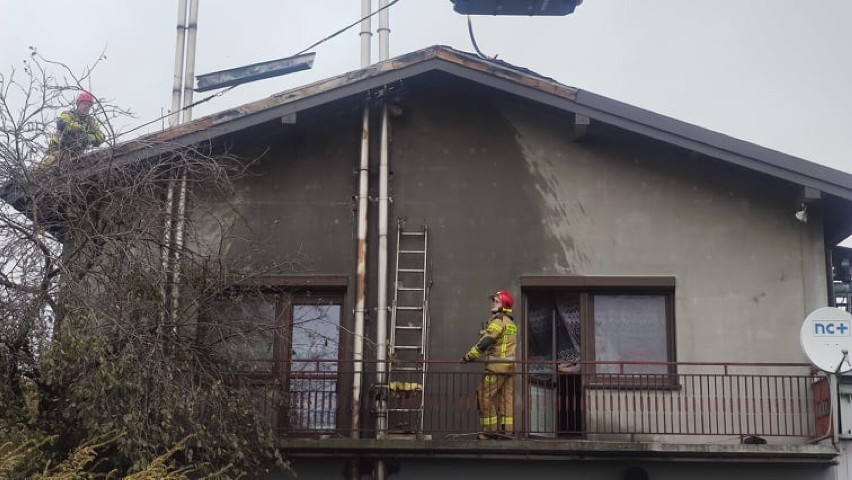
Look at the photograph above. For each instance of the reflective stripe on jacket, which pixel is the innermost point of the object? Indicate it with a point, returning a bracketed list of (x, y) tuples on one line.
[(503, 331), (75, 133)]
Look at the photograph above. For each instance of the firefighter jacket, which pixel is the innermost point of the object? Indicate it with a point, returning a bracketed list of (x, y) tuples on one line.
[(498, 342), (75, 133)]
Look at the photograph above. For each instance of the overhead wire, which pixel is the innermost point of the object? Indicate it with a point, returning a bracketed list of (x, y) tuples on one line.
[(219, 94), (163, 117), (349, 26), (473, 41)]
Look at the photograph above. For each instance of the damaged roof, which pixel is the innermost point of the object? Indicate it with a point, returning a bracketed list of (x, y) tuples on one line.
[(511, 79)]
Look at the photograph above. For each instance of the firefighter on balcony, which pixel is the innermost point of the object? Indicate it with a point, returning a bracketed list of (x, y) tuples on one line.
[(495, 395), (76, 131)]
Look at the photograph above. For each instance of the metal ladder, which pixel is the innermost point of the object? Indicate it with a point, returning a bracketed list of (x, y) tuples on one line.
[(409, 333)]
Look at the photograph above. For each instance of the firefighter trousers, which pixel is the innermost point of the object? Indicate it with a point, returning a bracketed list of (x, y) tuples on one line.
[(495, 399)]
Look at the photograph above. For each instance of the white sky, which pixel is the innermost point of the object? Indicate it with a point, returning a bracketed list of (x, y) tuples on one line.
[(774, 72)]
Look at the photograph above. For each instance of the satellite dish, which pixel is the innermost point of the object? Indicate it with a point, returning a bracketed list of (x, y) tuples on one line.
[(826, 338)]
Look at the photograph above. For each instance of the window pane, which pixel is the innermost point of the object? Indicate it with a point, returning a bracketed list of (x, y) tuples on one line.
[(313, 384), (552, 314), (540, 320), (259, 314), (242, 326), (316, 332), (631, 328)]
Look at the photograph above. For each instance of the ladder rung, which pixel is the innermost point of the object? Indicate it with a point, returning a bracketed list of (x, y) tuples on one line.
[(407, 347), (411, 270), (411, 252), (406, 369), (412, 234), (409, 309), (408, 327), (409, 289), (405, 409)]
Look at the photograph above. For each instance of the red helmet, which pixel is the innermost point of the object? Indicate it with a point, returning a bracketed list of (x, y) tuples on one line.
[(85, 97), (506, 299)]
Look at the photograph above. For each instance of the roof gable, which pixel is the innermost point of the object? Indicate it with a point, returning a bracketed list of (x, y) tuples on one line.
[(505, 77)]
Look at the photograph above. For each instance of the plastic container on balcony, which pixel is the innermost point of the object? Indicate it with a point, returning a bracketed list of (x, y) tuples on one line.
[(516, 7)]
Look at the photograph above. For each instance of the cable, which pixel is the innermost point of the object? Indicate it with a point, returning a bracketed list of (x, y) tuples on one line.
[(347, 27), (219, 94), (473, 41), (203, 100)]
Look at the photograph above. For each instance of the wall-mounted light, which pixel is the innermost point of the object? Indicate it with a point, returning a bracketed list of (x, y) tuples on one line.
[(802, 213)]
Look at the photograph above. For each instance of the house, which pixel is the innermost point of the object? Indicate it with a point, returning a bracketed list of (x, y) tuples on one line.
[(667, 259)]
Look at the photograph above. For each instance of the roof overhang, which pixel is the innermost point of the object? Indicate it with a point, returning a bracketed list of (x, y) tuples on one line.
[(507, 78)]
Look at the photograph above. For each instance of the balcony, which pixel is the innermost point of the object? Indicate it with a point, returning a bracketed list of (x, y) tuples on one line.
[(777, 410)]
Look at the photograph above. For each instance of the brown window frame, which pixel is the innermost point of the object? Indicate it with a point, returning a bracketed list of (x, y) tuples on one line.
[(285, 291), (586, 287)]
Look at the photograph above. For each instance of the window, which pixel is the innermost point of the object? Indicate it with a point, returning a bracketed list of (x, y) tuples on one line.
[(287, 342), (630, 327), (611, 321), (313, 368), (602, 319)]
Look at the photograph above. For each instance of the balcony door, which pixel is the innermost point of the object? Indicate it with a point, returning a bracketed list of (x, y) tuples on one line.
[(554, 345), (591, 332)]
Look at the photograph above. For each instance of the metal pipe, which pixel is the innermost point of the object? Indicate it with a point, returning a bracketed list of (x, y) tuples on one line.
[(180, 216), (177, 81), (165, 247), (380, 471), (178, 245), (361, 245), (189, 79), (174, 119), (361, 281), (382, 274), (384, 31), (366, 33)]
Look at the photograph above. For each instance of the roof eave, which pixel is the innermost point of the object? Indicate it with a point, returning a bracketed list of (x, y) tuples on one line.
[(515, 81)]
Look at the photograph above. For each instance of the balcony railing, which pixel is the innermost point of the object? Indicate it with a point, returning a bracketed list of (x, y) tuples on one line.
[(605, 399)]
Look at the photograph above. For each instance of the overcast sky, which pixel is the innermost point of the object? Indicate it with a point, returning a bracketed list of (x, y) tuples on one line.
[(774, 72)]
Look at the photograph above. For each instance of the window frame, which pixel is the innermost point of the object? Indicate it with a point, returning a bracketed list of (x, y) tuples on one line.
[(284, 292), (586, 287), (288, 300)]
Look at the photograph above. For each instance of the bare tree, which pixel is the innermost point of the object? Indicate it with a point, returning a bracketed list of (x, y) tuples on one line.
[(105, 338)]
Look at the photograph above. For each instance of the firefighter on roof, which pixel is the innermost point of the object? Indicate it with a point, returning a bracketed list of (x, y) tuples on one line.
[(495, 395), (76, 131)]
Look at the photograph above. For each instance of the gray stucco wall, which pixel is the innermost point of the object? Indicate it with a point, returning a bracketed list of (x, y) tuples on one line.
[(507, 192)]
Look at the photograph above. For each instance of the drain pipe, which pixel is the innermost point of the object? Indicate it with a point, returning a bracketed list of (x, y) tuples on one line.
[(361, 280), (180, 224), (174, 119), (180, 216), (382, 300), (361, 247), (382, 294)]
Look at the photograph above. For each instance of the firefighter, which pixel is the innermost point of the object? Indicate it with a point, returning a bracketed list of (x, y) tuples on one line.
[(495, 395), (76, 131)]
